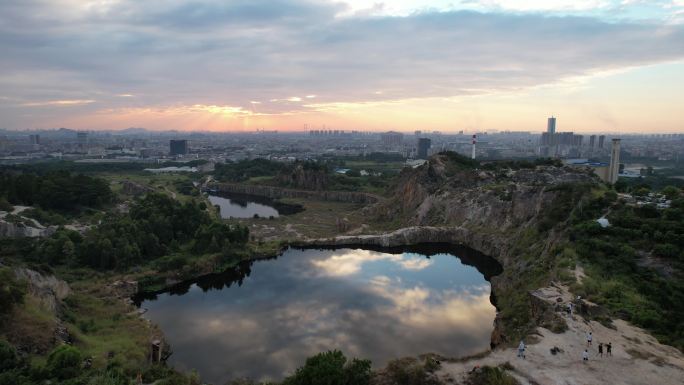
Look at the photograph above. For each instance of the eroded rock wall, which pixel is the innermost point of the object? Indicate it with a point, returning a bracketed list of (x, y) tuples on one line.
[(278, 192)]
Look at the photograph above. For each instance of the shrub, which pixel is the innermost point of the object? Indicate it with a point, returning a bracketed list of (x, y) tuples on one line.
[(172, 262), (64, 362), (11, 290), (109, 377), (488, 375), (331, 368), (5, 206), (14, 377), (410, 371), (8, 357)]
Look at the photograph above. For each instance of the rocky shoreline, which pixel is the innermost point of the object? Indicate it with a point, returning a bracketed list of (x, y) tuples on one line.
[(280, 192)]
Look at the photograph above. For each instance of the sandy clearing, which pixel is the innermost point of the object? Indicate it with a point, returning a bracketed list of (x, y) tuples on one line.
[(637, 358)]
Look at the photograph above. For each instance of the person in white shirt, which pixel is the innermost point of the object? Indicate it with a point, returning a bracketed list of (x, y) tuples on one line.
[(521, 349), (585, 355), (589, 339)]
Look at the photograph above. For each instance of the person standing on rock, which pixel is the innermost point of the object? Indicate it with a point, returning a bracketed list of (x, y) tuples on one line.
[(585, 355), (521, 350), (590, 337), (570, 305), (609, 349), (600, 349)]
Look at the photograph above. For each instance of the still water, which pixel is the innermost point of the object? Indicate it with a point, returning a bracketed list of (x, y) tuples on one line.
[(262, 319), (241, 207)]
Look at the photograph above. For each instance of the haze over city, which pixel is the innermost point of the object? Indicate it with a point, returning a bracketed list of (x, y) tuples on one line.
[(293, 65)]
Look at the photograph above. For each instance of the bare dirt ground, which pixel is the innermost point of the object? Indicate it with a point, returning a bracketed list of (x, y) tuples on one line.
[(637, 357), (320, 219)]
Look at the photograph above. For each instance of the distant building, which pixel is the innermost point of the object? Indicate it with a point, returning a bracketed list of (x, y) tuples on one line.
[(614, 167), (423, 147), (551, 125), (82, 138), (145, 152), (391, 138), (178, 147), (607, 172), (35, 139), (592, 141), (561, 138), (602, 139)]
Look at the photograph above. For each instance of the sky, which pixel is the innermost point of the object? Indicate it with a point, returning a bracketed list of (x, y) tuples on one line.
[(612, 66)]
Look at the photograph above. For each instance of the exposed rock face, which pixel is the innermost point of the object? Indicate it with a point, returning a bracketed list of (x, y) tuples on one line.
[(403, 237), (489, 210), (439, 193), (278, 192), (301, 177), (48, 289), (15, 230)]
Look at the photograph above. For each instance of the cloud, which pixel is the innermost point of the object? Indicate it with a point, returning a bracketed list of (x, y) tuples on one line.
[(215, 53), (349, 261), (57, 103)]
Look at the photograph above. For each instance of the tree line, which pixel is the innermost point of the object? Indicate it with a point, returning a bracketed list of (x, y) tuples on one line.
[(155, 226), (56, 190)]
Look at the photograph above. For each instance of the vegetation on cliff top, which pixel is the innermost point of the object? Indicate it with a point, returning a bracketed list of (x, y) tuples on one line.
[(59, 190), (155, 226), (635, 267)]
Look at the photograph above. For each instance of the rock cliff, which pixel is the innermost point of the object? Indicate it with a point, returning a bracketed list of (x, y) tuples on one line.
[(47, 289), (500, 200), (279, 192), (513, 214), (303, 176), (26, 228)]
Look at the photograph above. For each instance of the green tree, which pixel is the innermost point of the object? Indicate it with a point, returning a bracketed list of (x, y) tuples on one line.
[(8, 357), (667, 250), (642, 191), (64, 362), (331, 368), (671, 192)]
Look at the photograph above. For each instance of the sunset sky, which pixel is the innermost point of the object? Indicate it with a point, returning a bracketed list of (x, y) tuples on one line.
[(449, 65)]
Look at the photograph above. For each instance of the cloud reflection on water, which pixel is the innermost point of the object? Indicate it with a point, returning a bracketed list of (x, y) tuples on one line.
[(368, 304)]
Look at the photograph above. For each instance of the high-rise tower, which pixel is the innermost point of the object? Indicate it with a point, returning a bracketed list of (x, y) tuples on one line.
[(423, 147), (551, 125), (614, 167)]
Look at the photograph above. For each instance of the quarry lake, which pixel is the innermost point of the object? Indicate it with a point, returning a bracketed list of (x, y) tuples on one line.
[(262, 319), (247, 206)]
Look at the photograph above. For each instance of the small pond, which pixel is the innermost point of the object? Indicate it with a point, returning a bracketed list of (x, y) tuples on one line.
[(262, 319), (249, 206)]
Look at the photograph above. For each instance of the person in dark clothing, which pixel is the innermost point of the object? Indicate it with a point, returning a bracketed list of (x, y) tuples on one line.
[(609, 349), (600, 350)]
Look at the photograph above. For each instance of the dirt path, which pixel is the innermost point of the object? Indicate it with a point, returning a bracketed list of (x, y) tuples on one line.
[(637, 358)]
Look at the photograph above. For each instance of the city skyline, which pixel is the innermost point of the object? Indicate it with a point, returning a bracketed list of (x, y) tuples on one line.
[(599, 66)]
